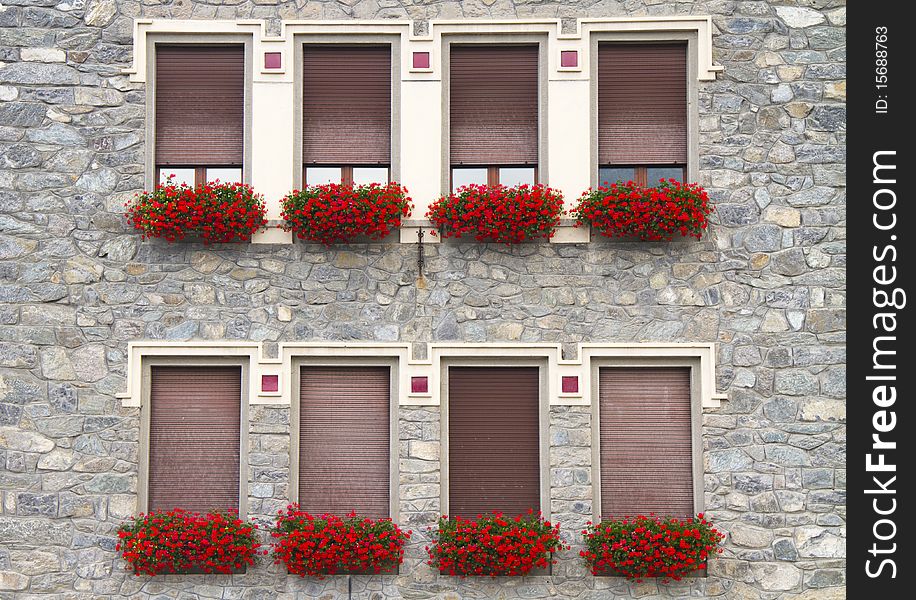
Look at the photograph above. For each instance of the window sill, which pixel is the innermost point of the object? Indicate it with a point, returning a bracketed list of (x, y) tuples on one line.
[(199, 571), (409, 232), (695, 574), (347, 573)]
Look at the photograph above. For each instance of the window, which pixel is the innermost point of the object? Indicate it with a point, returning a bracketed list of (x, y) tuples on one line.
[(344, 445), (493, 114), (194, 443), (493, 440), (346, 114), (642, 112), (200, 108), (645, 441)]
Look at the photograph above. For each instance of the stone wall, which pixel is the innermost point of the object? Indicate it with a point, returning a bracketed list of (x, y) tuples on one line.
[(767, 284)]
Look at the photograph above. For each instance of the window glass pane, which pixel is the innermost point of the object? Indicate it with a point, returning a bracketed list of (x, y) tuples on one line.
[(516, 175), (322, 175), (461, 177), (608, 175), (653, 174), (178, 176), (366, 175), (224, 174)]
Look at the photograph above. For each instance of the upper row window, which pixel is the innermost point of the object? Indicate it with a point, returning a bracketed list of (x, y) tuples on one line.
[(346, 113), (200, 113), (642, 112), (493, 113)]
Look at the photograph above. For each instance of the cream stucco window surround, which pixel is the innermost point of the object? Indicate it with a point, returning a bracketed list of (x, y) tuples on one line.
[(568, 157), (429, 366)]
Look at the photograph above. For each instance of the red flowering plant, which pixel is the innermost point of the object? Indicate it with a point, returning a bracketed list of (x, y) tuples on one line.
[(216, 212), (650, 213), (316, 546), (334, 213), (648, 546), (177, 541), (493, 545), (507, 215)]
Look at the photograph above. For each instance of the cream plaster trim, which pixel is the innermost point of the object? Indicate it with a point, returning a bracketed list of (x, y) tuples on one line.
[(260, 364), (431, 42)]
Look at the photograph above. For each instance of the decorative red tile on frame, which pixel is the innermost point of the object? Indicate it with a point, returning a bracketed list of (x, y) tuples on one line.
[(421, 60), (570, 384), (270, 383), (273, 60), (419, 384), (569, 58)]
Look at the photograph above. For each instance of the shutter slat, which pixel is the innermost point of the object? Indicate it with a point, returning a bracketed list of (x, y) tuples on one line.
[(645, 441), (493, 105), (494, 456), (642, 104), (344, 440), (200, 105), (194, 447), (346, 104)]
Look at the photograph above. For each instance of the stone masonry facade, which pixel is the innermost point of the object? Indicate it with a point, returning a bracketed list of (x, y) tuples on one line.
[(766, 284)]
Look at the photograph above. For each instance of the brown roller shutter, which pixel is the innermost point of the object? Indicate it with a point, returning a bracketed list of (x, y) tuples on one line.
[(195, 415), (493, 437), (346, 104), (344, 440), (642, 104), (200, 105), (646, 443), (493, 105)]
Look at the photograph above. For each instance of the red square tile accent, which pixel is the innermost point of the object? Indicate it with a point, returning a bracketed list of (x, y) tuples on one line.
[(270, 383), (421, 60), (273, 60), (570, 384), (569, 58), (419, 384)]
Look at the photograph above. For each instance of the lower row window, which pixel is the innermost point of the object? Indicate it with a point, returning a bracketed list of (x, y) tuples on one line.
[(344, 440), (493, 440), (493, 419), (194, 438)]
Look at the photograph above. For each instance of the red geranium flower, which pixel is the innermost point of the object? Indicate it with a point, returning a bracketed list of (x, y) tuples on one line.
[(506, 215), (494, 545), (217, 212), (652, 213), (177, 541), (316, 546), (333, 213), (648, 546)]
